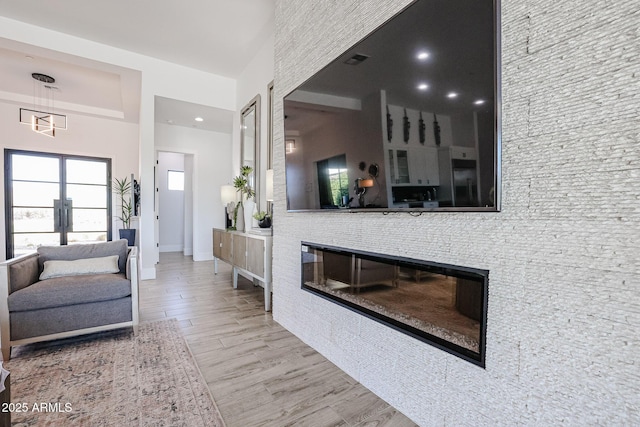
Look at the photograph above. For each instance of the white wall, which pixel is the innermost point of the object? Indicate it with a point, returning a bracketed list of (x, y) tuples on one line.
[(87, 136), (211, 168), (564, 306), (188, 205), (158, 78), (171, 204), (345, 133)]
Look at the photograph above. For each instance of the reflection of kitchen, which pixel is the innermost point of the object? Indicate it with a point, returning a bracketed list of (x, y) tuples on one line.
[(426, 169), (425, 159)]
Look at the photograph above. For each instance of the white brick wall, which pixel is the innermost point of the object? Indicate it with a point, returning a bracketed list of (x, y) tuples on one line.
[(564, 254)]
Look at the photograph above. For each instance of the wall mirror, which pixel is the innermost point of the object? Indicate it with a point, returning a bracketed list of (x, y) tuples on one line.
[(270, 126), (419, 98), (269, 172), (250, 142)]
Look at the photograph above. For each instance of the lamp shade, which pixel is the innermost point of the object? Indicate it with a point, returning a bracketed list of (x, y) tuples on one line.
[(227, 194), (269, 185), (366, 183)]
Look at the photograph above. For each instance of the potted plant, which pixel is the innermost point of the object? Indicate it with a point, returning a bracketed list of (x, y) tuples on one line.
[(241, 184), (264, 219), (122, 188)]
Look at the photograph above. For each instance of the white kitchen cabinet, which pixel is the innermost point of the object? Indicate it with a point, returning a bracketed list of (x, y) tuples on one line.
[(462, 153), (399, 166), (423, 166), (417, 166), (419, 204)]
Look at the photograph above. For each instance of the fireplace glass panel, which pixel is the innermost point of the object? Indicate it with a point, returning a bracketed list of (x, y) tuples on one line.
[(443, 305)]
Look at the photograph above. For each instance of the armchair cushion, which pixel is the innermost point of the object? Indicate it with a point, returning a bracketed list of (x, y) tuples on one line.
[(69, 290)]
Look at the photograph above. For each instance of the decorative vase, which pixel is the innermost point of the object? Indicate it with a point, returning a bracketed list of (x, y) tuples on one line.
[(240, 217), (254, 221), (129, 234), (249, 205), (264, 223)]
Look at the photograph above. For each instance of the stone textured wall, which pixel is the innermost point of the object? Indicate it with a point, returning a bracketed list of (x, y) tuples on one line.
[(564, 253)]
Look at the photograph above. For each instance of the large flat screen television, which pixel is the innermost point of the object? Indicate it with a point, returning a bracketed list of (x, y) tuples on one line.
[(406, 119)]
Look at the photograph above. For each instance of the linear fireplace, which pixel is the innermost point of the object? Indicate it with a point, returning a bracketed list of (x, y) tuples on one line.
[(443, 305)]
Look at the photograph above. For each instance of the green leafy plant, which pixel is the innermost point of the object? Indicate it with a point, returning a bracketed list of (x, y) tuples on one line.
[(122, 188), (261, 215), (241, 183)]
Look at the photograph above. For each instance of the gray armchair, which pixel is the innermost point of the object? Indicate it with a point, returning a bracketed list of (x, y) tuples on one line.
[(74, 302)]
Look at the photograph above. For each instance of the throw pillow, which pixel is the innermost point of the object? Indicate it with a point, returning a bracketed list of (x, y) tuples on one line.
[(59, 268)]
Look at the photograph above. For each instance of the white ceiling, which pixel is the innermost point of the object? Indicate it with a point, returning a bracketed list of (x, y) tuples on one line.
[(216, 36), (82, 86), (180, 113)]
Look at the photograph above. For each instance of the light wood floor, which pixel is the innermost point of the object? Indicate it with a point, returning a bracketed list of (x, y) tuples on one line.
[(259, 373)]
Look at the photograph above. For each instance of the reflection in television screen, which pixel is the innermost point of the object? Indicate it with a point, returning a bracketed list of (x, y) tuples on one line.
[(417, 101)]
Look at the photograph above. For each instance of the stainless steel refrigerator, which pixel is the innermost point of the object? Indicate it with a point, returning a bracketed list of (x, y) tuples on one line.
[(465, 182)]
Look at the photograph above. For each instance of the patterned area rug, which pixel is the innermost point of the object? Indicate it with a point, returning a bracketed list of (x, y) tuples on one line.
[(111, 379)]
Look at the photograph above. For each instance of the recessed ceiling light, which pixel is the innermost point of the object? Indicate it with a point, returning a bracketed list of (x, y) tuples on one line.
[(422, 55), (423, 86), (479, 102), (452, 95), (199, 119)]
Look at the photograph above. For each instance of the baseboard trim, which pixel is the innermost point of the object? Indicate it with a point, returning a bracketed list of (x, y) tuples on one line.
[(203, 256), (148, 273), (171, 248)]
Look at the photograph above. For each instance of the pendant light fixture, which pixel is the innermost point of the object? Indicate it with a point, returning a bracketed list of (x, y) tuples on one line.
[(42, 117)]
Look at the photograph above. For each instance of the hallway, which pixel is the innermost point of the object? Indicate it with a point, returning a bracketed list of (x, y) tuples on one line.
[(259, 373)]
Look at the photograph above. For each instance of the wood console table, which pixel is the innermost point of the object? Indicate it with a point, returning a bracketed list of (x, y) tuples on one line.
[(248, 253)]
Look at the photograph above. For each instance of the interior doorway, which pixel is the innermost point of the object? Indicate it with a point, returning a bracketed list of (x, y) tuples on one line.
[(174, 189)]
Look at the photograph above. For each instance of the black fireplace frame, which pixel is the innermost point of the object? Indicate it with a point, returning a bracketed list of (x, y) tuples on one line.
[(477, 358)]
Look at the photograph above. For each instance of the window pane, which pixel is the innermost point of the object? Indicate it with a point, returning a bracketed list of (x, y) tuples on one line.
[(34, 189), (175, 180), (87, 196), (32, 168), (26, 243), (339, 181), (35, 194), (32, 220), (86, 171), (79, 238), (89, 219)]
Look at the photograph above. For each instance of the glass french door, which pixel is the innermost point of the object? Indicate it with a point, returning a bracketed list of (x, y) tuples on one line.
[(55, 199)]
